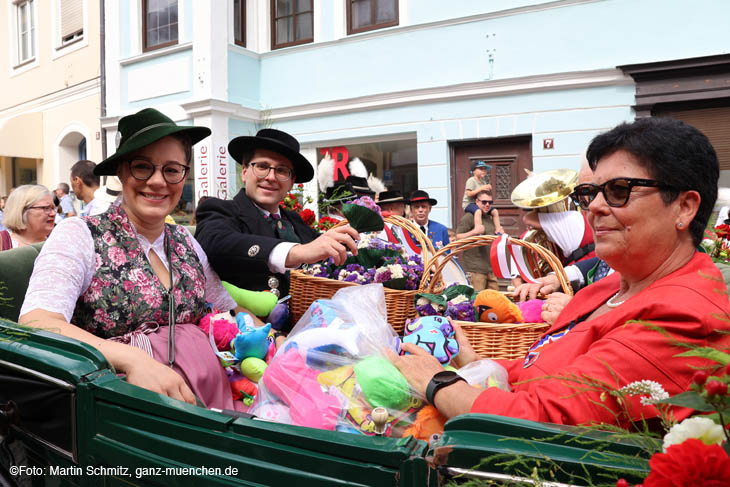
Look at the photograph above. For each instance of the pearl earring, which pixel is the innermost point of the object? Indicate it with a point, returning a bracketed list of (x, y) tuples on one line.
[(680, 225)]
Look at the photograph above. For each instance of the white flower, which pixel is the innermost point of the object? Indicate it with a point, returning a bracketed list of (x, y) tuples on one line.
[(396, 271), (654, 390), (707, 244), (703, 429), (458, 299), (422, 302)]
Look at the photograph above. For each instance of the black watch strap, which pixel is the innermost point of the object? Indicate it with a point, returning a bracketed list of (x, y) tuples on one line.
[(439, 381)]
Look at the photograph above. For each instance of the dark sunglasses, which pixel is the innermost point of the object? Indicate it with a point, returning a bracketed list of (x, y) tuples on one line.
[(484, 202), (615, 191)]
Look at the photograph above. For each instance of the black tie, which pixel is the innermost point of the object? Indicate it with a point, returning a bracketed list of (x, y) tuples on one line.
[(423, 229)]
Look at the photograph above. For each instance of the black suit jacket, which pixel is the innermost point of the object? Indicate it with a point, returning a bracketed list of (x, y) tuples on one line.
[(238, 241)]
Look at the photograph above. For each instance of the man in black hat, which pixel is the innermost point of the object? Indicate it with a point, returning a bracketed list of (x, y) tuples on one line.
[(421, 205), (393, 201), (250, 241)]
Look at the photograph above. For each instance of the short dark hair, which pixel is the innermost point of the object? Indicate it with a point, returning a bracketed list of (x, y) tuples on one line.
[(84, 169), (481, 192), (674, 153)]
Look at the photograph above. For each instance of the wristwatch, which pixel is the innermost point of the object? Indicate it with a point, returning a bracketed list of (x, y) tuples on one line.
[(440, 380)]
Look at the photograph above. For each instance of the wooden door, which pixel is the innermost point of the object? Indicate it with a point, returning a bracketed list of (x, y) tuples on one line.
[(509, 157)]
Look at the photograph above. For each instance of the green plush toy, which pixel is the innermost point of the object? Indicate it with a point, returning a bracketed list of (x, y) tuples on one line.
[(382, 383), (253, 368), (259, 303)]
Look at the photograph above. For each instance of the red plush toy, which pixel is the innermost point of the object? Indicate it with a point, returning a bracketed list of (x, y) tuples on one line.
[(223, 330)]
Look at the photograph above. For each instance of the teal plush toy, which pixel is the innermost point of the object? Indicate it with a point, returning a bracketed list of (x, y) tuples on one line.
[(251, 341)]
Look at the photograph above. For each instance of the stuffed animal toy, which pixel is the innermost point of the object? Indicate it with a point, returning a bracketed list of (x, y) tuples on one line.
[(250, 341), (429, 422), (289, 379), (494, 307), (435, 335), (260, 303), (531, 310), (223, 329), (242, 389), (253, 368), (382, 383), (279, 316)]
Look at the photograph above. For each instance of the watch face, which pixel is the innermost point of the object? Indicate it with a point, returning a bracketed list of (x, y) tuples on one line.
[(445, 377)]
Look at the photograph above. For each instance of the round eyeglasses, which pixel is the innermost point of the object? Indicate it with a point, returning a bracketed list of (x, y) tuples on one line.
[(172, 172), (261, 171), (615, 191)]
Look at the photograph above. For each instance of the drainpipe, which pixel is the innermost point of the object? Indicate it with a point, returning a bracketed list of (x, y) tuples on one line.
[(103, 76)]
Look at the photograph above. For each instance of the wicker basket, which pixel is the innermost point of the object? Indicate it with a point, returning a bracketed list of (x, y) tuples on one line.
[(494, 340), (305, 289)]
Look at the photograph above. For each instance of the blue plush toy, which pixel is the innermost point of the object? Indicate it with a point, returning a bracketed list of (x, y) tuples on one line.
[(435, 335), (250, 341)]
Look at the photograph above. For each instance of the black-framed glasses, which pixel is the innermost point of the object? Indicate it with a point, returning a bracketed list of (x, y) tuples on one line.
[(484, 202), (261, 171), (616, 191), (173, 172), (45, 209)]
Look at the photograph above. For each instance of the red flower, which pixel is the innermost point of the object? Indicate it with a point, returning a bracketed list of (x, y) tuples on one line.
[(622, 483), (716, 388), (689, 463), (307, 215)]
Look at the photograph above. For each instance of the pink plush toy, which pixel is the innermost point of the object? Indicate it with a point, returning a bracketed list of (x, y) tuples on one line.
[(289, 378), (223, 330), (531, 310)]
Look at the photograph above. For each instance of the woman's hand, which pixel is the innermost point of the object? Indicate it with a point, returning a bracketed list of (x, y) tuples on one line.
[(553, 306), (545, 286), (144, 371), (418, 368)]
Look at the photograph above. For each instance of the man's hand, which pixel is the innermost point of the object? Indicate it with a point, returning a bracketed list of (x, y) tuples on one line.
[(334, 243), (545, 285)]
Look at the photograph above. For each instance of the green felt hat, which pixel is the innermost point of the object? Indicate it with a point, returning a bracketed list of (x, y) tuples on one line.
[(142, 129)]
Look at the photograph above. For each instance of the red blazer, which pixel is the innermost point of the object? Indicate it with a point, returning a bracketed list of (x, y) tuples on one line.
[(690, 304)]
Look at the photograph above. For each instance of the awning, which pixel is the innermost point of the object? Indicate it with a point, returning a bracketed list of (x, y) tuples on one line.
[(22, 136)]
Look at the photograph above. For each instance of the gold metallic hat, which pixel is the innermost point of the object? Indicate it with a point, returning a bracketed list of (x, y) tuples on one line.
[(545, 188)]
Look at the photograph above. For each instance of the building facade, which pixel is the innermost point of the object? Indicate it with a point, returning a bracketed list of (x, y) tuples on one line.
[(417, 89), (50, 99)]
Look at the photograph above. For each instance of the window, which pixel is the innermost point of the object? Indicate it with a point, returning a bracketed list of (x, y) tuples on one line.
[(291, 22), (239, 22), (25, 29), (159, 23), (364, 15), (71, 21)]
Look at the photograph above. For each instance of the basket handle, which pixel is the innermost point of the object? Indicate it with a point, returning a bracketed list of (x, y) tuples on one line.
[(432, 270)]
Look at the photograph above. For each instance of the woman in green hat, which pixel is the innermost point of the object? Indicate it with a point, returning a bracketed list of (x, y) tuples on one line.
[(129, 284)]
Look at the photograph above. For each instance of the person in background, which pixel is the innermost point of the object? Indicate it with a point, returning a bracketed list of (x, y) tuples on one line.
[(65, 204), (250, 241), (476, 261), (476, 183), (28, 217), (84, 184), (106, 195), (3, 199), (393, 201), (421, 204), (651, 194), (123, 281)]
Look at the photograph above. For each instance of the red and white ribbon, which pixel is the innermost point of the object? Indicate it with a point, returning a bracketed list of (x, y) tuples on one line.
[(498, 257), (518, 257)]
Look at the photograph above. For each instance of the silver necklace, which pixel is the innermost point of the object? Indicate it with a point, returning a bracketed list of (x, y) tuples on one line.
[(610, 302)]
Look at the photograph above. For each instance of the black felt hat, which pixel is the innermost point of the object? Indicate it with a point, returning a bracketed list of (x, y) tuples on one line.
[(142, 129), (360, 185), (275, 141), (391, 196), (419, 195)]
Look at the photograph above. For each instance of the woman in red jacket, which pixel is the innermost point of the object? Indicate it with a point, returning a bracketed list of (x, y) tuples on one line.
[(652, 192)]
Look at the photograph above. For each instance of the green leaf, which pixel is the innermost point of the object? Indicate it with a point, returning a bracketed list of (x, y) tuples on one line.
[(362, 219), (399, 283), (708, 353), (374, 258), (689, 399)]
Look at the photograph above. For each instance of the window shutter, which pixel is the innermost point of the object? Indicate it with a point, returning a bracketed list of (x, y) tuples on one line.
[(715, 124), (72, 17)]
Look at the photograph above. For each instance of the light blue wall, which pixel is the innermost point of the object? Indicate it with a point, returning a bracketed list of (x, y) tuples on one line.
[(597, 35), (185, 32), (122, 12), (244, 77), (423, 11), (142, 65)]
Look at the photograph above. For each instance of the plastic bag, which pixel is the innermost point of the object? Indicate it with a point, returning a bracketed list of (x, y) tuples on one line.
[(485, 373), (331, 371)]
